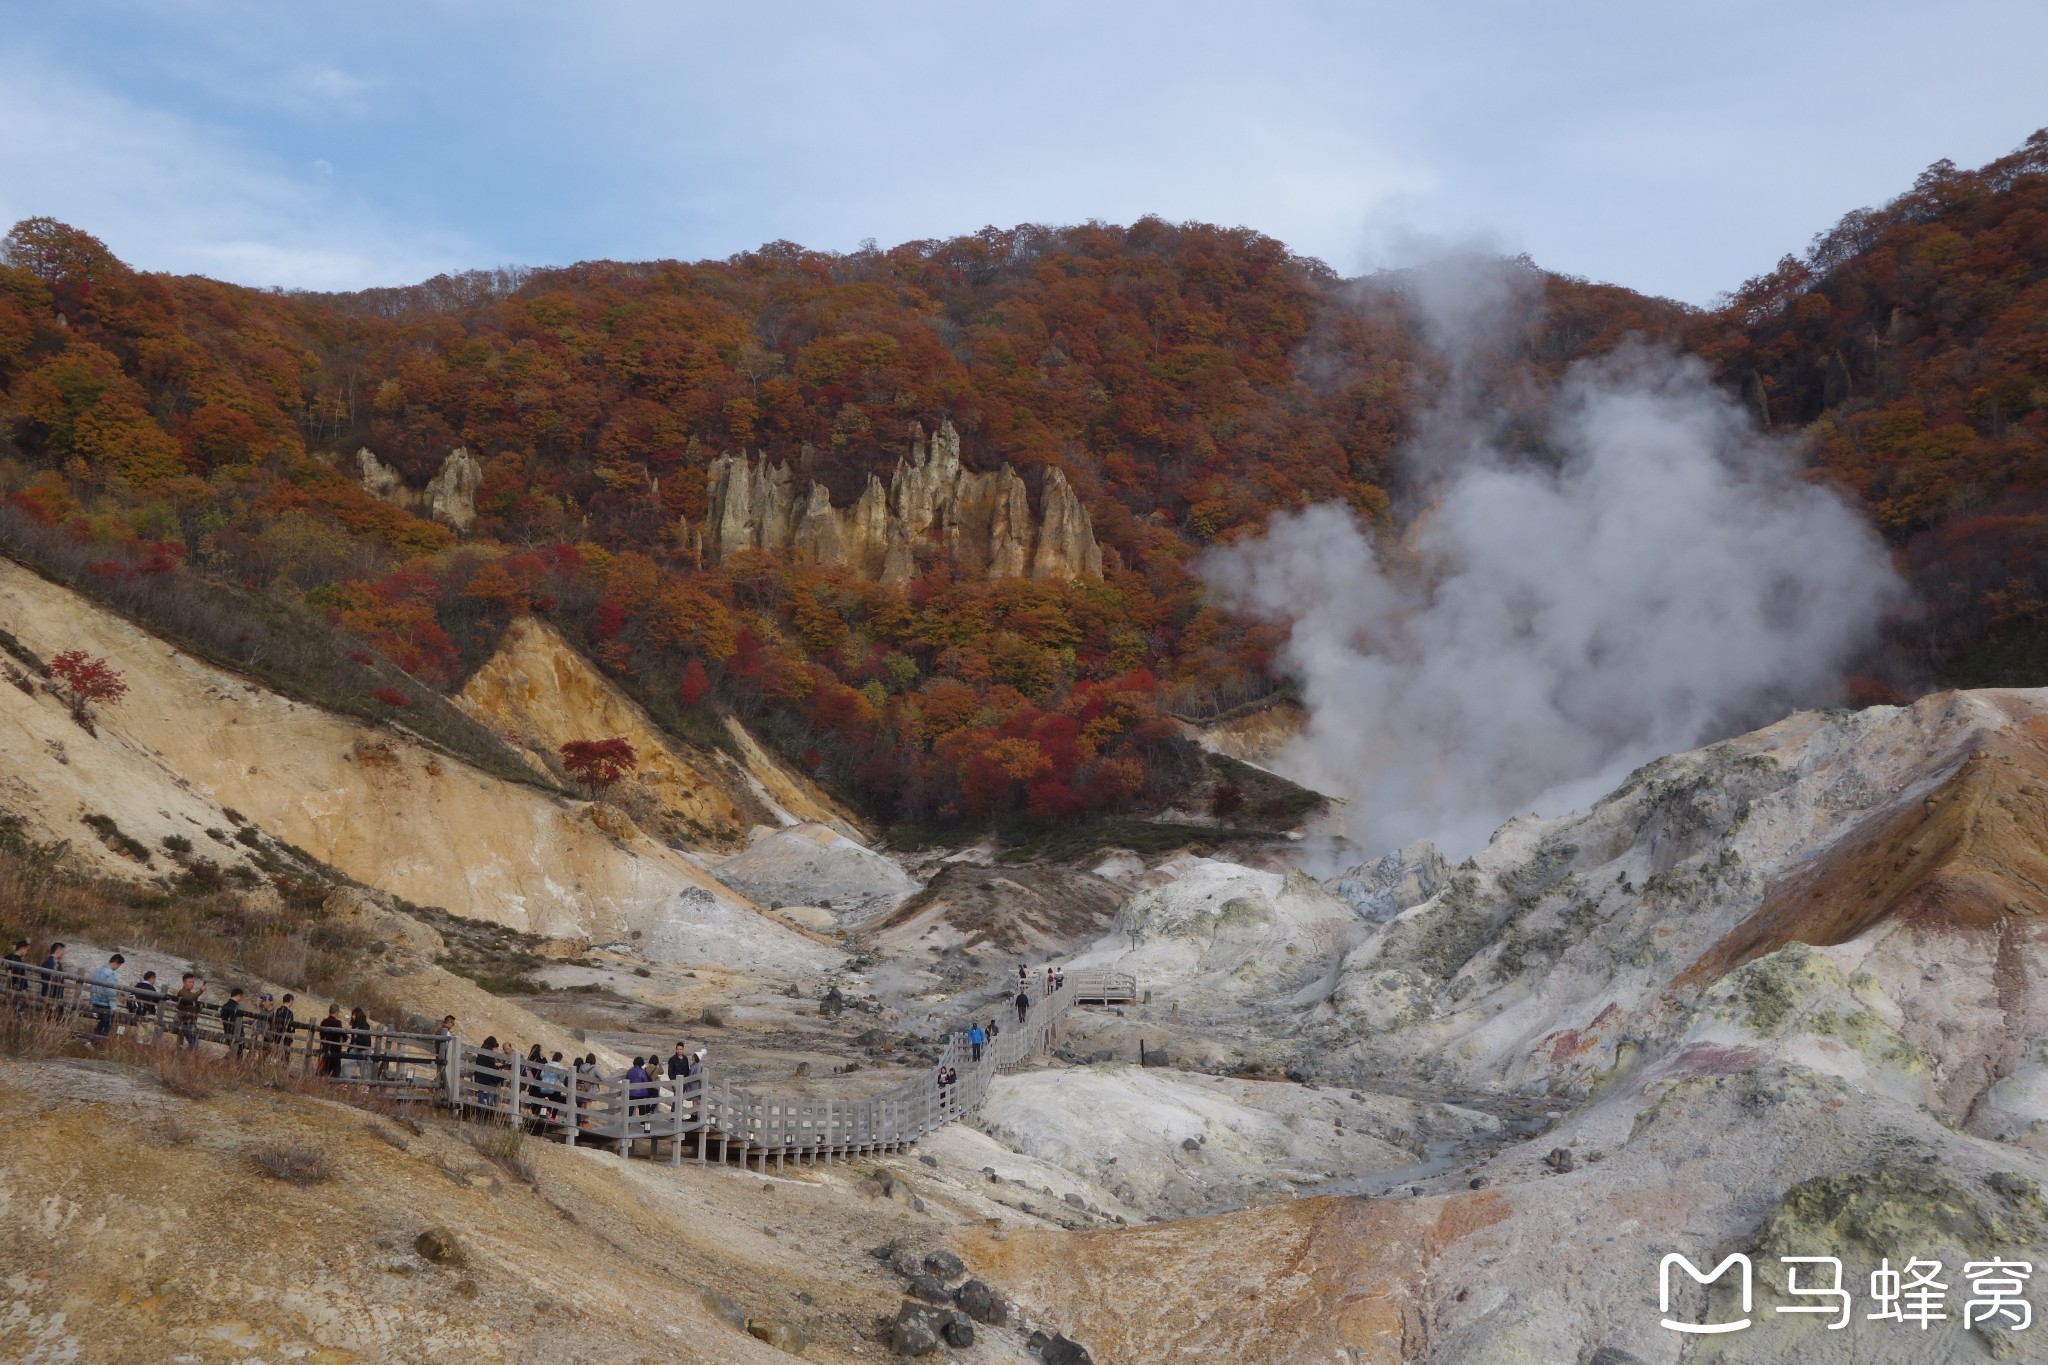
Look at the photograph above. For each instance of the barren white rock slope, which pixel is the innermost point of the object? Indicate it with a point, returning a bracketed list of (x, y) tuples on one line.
[(814, 864), (1214, 937), (389, 812)]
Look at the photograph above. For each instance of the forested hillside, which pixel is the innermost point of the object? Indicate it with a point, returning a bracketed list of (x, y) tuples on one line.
[(180, 445), (1911, 346)]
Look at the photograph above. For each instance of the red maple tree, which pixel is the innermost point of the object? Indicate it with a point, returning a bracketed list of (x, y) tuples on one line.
[(598, 763), (87, 679)]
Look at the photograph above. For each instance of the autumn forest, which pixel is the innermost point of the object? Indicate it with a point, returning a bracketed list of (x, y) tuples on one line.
[(187, 449)]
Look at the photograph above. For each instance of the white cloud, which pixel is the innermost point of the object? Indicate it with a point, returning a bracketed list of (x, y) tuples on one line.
[(169, 193)]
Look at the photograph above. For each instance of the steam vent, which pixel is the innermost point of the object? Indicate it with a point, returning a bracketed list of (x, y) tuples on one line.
[(932, 506)]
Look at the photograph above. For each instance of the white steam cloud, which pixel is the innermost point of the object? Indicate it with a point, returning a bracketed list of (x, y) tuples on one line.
[(1669, 582)]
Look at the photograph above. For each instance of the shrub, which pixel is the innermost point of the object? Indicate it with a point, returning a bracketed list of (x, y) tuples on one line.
[(295, 1163), (189, 1076), (505, 1148), (30, 1035), (390, 696)]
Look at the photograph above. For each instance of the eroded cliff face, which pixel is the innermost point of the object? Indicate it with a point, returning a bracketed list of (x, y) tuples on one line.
[(191, 738), (932, 507), (538, 693), (449, 497)]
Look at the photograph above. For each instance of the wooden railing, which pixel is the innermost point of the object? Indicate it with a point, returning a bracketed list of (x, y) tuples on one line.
[(553, 1099), (1105, 988)]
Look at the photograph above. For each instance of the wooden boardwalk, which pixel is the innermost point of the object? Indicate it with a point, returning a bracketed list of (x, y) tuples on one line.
[(701, 1118)]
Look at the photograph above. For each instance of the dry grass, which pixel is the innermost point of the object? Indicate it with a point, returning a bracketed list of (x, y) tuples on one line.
[(210, 925), (295, 1163), (171, 1131), (30, 1034), (505, 1148), (390, 1136)]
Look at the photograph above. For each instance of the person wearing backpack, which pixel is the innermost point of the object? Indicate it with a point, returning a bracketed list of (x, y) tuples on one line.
[(233, 1018), (282, 1022)]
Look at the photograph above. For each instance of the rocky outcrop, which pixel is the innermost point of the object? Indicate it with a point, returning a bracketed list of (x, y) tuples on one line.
[(449, 497), (932, 507), (537, 692)]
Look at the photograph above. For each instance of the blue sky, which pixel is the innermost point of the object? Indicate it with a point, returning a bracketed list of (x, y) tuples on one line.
[(1673, 147)]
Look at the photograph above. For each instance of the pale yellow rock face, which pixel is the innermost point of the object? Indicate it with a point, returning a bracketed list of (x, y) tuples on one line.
[(538, 693), (1257, 737), (449, 497), (388, 812), (790, 791), (932, 506)]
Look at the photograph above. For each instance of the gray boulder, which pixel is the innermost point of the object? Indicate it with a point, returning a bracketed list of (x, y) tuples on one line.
[(928, 1288), (915, 1332), (981, 1303), (1060, 1351)]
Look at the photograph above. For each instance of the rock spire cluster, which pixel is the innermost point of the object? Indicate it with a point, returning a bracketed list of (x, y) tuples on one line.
[(932, 506), (449, 497)]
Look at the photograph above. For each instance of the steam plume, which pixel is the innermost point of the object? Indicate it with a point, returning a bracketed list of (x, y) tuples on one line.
[(1668, 582)]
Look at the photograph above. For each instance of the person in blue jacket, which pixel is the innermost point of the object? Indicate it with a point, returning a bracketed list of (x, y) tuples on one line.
[(104, 979)]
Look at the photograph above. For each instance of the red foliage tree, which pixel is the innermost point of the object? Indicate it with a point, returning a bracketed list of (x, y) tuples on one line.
[(695, 684), (599, 763), (87, 679)]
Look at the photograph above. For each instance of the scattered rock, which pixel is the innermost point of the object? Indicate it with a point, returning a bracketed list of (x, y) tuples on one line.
[(928, 1160), (944, 1264), (1477, 1182), (915, 1332), (981, 1303), (1561, 1160), (780, 1335), (1614, 1355), (1190, 1145), (906, 1262), (723, 1308), (928, 1288), (439, 1246), (1060, 1351), (1076, 1200), (958, 1332)]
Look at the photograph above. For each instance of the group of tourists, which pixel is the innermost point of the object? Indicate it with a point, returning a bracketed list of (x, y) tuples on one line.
[(547, 1086), (1055, 980), (117, 1008)]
